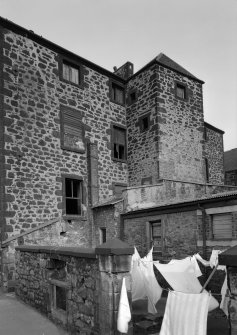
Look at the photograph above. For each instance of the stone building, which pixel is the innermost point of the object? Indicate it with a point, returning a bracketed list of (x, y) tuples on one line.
[(230, 167), (82, 146)]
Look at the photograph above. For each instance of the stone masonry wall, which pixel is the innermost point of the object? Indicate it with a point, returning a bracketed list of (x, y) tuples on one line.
[(142, 145), (34, 160), (215, 156), (39, 273), (179, 233), (180, 128)]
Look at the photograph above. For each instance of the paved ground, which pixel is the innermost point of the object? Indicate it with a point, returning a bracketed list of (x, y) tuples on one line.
[(17, 318)]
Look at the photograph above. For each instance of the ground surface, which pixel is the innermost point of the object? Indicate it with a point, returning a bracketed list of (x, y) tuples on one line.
[(17, 318)]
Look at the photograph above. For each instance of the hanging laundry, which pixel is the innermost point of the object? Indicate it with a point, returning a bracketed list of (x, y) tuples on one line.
[(214, 259), (225, 298), (183, 279), (124, 313), (185, 314), (144, 283), (185, 264)]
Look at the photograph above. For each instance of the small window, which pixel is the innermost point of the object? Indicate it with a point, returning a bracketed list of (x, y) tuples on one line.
[(156, 237), (222, 226), (102, 235), (72, 130), (117, 93), (119, 151), (144, 122), (71, 73), (205, 133), (146, 181), (206, 169), (73, 196), (181, 91), (132, 97), (60, 298)]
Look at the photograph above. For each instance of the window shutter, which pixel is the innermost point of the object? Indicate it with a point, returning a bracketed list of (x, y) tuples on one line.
[(72, 130), (222, 226)]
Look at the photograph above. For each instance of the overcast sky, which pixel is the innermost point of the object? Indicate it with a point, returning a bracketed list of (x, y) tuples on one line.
[(200, 35)]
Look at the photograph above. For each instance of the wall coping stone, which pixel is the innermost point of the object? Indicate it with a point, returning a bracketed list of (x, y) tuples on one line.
[(114, 247), (63, 251)]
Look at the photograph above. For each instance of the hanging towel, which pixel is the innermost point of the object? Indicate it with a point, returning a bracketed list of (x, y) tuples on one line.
[(189, 263), (225, 297), (185, 314), (124, 313), (138, 286), (183, 279), (214, 259)]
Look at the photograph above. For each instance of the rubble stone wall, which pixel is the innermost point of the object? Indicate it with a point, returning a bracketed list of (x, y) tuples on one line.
[(215, 156), (34, 160), (180, 123), (38, 273)]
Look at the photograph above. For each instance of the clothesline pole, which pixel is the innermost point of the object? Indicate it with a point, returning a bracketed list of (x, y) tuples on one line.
[(209, 278)]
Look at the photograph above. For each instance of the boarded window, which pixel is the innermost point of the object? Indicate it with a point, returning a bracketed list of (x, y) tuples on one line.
[(222, 226), (71, 73), (119, 143), (73, 196), (72, 130)]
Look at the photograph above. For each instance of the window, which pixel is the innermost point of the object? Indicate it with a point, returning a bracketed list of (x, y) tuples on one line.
[(180, 91), (119, 151), (206, 169), (72, 130), (117, 93), (156, 238), (205, 133), (70, 71), (102, 235), (60, 298), (132, 97), (146, 181), (222, 226), (73, 196), (144, 122)]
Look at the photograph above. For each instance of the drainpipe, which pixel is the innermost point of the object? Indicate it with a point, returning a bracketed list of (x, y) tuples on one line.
[(204, 238)]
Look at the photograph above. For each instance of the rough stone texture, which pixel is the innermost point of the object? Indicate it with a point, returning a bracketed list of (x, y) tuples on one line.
[(36, 273), (179, 238), (215, 156), (34, 160), (172, 147), (168, 192), (107, 217)]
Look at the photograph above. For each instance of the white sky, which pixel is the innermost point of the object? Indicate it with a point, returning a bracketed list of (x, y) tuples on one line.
[(200, 35)]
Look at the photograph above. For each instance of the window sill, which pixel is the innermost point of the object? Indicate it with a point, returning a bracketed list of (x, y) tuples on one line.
[(80, 151), (117, 160), (67, 217), (81, 86), (117, 103)]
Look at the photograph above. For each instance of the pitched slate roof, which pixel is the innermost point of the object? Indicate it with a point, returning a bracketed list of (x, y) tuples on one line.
[(168, 62), (230, 160)]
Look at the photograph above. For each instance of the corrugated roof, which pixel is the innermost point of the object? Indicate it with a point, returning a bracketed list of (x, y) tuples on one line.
[(230, 160)]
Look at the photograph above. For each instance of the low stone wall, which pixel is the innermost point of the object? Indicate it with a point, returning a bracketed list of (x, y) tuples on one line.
[(78, 288)]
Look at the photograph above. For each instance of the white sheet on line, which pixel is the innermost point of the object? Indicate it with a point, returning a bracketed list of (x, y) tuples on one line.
[(185, 314), (182, 278)]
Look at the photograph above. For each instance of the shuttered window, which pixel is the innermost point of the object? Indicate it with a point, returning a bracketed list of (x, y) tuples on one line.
[(222, 226), (72, 130), (119, 143), (71, 73)]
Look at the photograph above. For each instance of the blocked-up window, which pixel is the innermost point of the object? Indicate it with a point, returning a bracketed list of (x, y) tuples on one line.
[(72, 130), (222, 226), (119, 150), (73, 196)]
